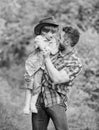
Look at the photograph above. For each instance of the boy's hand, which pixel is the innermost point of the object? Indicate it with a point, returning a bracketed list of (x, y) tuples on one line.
[(26, 110), (46, 52), (41, 42)]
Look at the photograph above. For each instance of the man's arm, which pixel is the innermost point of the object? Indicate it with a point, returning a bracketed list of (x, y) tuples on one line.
[(67, 74), (55, 75)]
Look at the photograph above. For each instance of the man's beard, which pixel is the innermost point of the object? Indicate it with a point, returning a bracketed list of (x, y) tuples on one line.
[(62, 48)]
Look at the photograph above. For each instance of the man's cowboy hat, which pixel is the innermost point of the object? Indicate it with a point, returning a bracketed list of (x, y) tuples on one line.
[(50, 21)]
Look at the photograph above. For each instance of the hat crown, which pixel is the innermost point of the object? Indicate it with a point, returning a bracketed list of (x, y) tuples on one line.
[(48, 20)]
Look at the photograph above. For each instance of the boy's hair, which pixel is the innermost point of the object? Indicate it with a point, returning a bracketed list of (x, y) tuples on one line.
[(49, 28), (73, 34)]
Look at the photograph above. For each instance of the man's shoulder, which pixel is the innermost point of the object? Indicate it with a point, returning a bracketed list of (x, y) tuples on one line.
[(72, 59), (76, 58)]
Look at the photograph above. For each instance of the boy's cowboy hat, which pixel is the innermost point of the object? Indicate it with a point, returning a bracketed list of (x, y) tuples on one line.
[(50, 21)]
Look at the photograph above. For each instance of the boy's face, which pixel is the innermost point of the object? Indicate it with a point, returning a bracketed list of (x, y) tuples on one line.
[(52, 42), (47, 39)]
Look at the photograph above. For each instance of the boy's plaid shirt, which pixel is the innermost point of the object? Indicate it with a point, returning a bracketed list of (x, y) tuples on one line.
[(57, 93)]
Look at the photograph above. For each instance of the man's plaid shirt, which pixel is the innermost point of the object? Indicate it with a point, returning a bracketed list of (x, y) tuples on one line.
[(57, 93)]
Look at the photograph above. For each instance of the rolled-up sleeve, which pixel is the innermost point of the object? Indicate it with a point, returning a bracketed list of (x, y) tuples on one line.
[(32, 65), (28, 81)]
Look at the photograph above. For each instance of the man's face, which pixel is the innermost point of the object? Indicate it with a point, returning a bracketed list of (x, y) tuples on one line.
[(66, 41)]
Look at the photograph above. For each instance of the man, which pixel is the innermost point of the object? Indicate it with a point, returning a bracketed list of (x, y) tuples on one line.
[(56, 78)]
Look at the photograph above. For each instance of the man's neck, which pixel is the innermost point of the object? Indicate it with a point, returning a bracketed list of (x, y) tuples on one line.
[(68, 51)]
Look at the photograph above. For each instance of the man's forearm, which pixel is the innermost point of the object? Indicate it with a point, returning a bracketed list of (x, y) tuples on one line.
[(55, 75)]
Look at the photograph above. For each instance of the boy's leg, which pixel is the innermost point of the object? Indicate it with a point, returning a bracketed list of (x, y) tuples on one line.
[(36, 90), (26, 109), (58, 116), (33, 103)]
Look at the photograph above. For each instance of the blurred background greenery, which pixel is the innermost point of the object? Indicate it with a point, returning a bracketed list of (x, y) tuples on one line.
[(17, 20)]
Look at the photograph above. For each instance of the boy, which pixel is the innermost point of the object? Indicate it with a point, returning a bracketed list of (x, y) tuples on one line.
[(34, 67)]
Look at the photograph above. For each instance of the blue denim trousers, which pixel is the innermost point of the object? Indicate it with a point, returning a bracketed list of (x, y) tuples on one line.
[(41, 119)]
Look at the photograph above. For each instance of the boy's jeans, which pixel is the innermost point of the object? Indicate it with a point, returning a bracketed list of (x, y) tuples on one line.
[(57, 113)]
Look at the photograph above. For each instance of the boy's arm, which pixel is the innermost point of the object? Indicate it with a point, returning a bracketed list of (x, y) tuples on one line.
[(37, 81), (28, 93)]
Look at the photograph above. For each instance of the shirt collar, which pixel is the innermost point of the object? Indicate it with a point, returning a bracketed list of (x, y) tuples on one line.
[(59, 54)]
